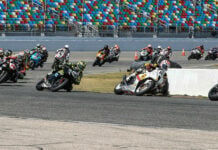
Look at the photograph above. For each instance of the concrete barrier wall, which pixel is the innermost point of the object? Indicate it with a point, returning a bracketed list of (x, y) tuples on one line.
[(94, 44), (193, 82)]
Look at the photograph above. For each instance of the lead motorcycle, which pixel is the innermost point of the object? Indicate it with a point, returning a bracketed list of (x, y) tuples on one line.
[(213, 93), (144, 82)]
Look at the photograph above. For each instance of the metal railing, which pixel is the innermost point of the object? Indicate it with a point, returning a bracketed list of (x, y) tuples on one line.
[(101, 28)]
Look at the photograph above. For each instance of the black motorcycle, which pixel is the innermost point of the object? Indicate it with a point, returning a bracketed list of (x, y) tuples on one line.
[(9, 70), (213, 93), (62, 79), (195, 53), (211, 55)]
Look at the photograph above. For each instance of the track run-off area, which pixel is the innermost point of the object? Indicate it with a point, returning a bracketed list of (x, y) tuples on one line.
[(30, 119)]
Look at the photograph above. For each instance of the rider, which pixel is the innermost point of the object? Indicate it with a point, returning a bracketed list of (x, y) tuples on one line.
[(167, 52), (149, 50), (159, 49), (8, 53), (76, 69), (116, 49), (150, 67), (64, 57), (66, 51), (200, 49), (105, 50), (44, 53), (114, 53), (1, 53), (147, 66), (214, 49), (39, 47)]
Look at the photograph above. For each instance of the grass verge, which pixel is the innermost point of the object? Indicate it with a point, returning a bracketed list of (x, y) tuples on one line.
[(101, 83)]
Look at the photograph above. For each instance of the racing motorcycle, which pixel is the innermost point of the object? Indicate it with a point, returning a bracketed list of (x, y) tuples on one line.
[(213, 93), (195, 54), (9, 70), (35, 60), (144, 82), (144, 55), (100, 59), (62, 79), (112, 56), (211, 55)]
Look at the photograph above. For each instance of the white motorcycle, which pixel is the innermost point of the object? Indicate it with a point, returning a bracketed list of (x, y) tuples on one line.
[(144, 82)]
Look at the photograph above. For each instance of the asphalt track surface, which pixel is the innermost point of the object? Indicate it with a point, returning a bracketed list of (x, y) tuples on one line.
[(23, 101)]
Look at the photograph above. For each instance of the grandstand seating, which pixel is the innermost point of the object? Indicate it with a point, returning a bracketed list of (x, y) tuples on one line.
[(133, 13)]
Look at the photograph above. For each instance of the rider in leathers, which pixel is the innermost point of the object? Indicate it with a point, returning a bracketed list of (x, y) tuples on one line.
[(65, 58), (76, 69)]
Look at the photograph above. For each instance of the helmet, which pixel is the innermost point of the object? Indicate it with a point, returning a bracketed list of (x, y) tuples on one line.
[(147, 66), (149, 45), (159, 47), (169, 48), (81, 65), (66, 46), (44, 48), (1, 52), (106, 47), (202, 46), (116, 46), (38, 45), (8, 52)]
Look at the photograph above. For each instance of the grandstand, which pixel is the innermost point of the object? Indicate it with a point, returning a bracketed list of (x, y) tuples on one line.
[(109, 17)]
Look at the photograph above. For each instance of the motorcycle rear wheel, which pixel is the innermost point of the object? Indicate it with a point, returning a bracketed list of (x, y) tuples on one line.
[(59, 84), (144, 87), (213, 93)]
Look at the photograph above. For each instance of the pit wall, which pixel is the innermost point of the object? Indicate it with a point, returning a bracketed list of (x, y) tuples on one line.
[(192, 82)]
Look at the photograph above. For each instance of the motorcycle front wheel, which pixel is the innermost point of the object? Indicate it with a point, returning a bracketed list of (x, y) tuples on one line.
[(213, 93), (95, 62), (4, 76), (32, 65), (144, 87), (59, 84), (189, 57), (39, 85), (207, 57), (118, 89)]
